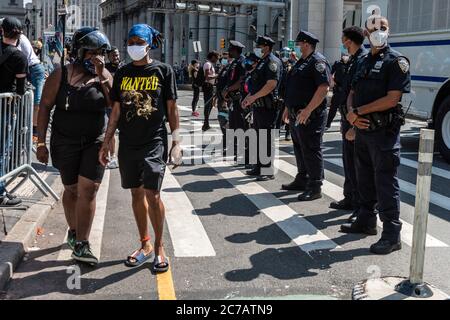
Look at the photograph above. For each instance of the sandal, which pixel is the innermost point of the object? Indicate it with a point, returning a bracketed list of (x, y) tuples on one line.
[(160, 264), (139, 258)]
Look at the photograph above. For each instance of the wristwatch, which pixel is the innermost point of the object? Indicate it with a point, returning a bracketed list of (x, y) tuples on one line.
[(41, 144)]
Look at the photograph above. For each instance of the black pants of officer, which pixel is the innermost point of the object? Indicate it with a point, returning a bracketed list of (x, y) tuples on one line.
[(307, 141), (264, 121), (377, 161), (208, 94), (237, 121), (196, 97), (348, 157)]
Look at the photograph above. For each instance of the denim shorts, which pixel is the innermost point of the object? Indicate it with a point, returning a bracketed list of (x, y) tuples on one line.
[(37, 78)]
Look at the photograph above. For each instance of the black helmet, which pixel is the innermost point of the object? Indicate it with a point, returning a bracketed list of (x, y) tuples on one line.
[(93, 41), (80, 33)]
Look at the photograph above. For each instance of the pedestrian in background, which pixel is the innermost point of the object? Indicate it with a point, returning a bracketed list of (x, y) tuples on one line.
[(210, 77), (79, 94), (197, 82), (13, 71)]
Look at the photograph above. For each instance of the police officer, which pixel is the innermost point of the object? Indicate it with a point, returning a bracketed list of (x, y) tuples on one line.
[(381, 79), (263, 94), (352, 40), (235, 76), (339, 98), (307, 87)]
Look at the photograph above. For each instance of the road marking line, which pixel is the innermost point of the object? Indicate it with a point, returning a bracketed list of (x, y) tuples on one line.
[(407, 187), (95, 238), (300, 230), (336, 193), (189, 237), (436, 171), (164, 281)]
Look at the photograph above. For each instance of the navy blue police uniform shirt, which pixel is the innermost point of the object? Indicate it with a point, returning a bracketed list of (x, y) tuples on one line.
[(269, 68), (304, 79), (378, 74)]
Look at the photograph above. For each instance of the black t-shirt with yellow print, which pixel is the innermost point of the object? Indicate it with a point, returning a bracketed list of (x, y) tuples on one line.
[(143, 92)]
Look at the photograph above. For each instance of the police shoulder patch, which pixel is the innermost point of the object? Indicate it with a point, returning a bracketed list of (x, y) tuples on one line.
[(273, 66), (321, 66), (403, 63)]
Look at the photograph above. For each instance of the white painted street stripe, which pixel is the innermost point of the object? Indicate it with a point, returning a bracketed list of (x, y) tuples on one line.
[(300, 230), (407, 187), (188, 235), (96, 235), (336, 193)]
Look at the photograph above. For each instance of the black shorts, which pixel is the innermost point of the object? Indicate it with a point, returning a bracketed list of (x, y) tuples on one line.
[(76, 159), (143, 166)]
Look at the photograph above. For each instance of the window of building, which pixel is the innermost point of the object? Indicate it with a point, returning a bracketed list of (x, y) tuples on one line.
[(417, 15)]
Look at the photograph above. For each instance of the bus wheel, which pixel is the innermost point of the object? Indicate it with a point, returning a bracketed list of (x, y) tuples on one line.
[(443, 129)]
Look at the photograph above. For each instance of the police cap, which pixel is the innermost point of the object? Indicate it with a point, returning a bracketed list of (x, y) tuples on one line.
[(305, 36), (264, 41), (237, 44)]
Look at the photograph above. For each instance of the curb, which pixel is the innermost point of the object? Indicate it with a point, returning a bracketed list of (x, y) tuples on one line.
[(21, 236)]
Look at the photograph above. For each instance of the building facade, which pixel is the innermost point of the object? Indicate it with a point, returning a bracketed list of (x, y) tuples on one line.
[(216, 22), (41, 14), (12, 8)]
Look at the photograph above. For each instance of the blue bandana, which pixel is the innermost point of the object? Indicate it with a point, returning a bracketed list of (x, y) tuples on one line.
[(145, 32)]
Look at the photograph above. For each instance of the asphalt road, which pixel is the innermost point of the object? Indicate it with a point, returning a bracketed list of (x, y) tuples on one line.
[(229, 237)]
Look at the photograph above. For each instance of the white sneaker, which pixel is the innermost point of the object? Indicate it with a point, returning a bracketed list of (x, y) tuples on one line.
[(113, 163)]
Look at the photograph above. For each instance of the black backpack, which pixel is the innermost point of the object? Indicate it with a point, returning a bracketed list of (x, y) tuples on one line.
[(5, 54), (200, 79)]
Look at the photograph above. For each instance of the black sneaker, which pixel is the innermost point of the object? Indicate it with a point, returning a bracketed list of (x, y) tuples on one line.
[(9, 200), (206, 127), (254, 172), (385, 247), (83, 253)]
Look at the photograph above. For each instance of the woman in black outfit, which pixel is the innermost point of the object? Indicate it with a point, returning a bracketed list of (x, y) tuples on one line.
[(80, 94)]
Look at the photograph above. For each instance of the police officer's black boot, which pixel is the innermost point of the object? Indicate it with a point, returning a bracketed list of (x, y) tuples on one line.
[(358, 227), (299, 184), (384, 246), (311, 194), (253, 172), (344, 204)]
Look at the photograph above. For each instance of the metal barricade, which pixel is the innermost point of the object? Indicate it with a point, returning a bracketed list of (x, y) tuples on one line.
[(16, 138)]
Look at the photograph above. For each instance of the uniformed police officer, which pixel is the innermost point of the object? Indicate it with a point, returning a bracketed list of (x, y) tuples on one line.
[(263, 94), (235, 76), (352, 40), (286, 59), (381, 79), (307, 87)]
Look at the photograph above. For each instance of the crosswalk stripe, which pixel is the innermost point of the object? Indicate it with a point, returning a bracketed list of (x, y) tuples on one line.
[(407, 187), (335, 192), (300, 230), (96, 235), (436, 171), (189, 238)]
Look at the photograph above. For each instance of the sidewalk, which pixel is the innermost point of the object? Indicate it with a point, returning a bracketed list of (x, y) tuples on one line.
[(19, 226)]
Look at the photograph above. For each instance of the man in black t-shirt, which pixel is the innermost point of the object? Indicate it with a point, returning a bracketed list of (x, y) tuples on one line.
[(144, 96), (13, 71), (114, 63)]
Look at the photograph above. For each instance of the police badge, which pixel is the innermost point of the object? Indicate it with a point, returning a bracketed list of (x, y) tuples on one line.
[(273, 67), (321, 66), (403, 63)]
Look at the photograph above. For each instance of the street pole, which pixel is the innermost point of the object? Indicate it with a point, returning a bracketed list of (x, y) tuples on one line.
[(291, 17)]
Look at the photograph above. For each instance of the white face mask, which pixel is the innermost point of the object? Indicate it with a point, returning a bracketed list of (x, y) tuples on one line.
[(379, 38), (258, 52), (137, 53)]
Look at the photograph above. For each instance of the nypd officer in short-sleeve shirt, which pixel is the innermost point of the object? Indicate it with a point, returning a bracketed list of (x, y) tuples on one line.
[(263, 87), (381, 79), (306, 90)]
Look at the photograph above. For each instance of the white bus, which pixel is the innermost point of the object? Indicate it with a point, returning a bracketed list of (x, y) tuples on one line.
[(421, 31)]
